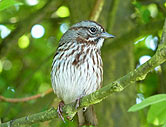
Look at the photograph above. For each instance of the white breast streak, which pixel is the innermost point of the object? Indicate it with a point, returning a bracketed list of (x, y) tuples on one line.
[(71, 82)]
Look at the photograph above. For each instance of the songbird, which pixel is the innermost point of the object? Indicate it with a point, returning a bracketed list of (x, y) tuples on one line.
[(77, 68)]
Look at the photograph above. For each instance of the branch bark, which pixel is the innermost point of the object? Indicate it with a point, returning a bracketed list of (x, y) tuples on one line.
[(96, 97), (97, 10), (16, 100)]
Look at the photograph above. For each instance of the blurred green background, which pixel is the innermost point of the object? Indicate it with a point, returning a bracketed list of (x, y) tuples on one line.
[(29, 35)]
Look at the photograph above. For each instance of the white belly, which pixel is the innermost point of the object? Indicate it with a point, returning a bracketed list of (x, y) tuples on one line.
[(71, 82)]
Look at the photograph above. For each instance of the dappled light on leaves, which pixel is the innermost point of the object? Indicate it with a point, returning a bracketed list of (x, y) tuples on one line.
[(23, 42), (151, 42), (37, 31), (9, 3), (1, 66), (139, 40), (140, 98), (158, 69), (165, 4), (4, 31), (63, 12), (143, 59), (7, 65), (64, 27), (32, 2), (153, 10), (156, 122), (10, 88), (13, 19)]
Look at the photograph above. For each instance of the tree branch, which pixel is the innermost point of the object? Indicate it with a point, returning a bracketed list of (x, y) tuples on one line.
[(16, 100), (96, 97), (96, 10)]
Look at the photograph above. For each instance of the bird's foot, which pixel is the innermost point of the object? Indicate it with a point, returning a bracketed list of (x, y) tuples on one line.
[(60, 111)]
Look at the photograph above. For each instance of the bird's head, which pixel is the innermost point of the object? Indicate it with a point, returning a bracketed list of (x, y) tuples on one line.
[(88, 32)]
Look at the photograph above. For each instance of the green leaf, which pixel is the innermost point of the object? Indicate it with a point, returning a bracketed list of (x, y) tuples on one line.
[(145, 13), (137, 4), (4, 4), (148, 101), (157, 114)]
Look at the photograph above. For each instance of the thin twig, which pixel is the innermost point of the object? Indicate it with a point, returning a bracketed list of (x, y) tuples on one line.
[(16, 100), (96, 10)]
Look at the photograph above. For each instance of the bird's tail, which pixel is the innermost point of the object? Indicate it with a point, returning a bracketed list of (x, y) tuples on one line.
[(87, 117)]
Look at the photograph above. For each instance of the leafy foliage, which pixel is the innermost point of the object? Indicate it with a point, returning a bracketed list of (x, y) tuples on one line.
[(148, 101), (25, 62), (4, 4), (157, 112)]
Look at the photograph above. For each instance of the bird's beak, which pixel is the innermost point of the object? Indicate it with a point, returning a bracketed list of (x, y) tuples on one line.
[(106, 35)]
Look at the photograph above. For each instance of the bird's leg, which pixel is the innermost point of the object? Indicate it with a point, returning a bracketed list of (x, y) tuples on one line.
[(78, 100), (59, 110), (77, 103)]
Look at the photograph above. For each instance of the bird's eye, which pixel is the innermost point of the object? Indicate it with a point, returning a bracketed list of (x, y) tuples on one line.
[(93, 30)]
